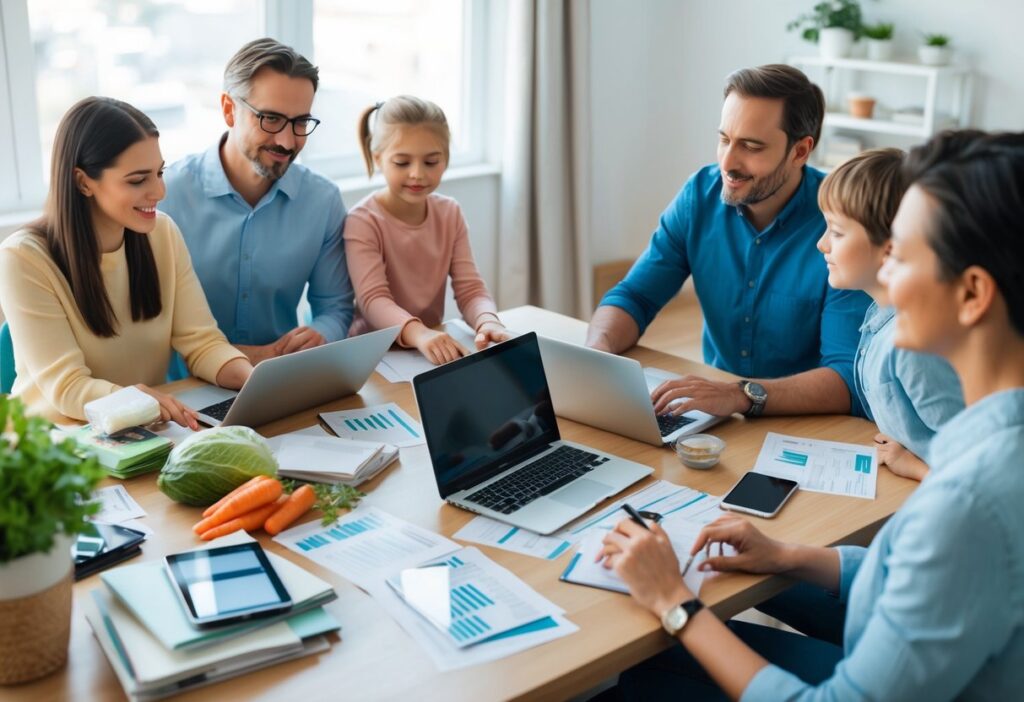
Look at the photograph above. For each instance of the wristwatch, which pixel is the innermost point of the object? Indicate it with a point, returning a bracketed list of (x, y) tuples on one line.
[(757, 395), (676, 619)]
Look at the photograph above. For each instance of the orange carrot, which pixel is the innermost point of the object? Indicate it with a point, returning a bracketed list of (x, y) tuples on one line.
[(250, 521), (256, 495), (216, 505), (298, 504)]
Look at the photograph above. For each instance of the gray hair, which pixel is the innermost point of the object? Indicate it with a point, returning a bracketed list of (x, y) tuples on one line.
[(265, 53)]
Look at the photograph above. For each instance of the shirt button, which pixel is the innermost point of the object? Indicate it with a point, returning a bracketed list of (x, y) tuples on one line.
[(757, 242), (744, 353), (746, 320), (245, 296), (750, 284), (863, 351)]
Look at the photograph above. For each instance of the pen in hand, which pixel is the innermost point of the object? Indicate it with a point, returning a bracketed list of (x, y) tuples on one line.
[(634, 515)]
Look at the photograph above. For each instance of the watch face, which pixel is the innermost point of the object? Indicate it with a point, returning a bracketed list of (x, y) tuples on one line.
[(756, 390), (676, 618)]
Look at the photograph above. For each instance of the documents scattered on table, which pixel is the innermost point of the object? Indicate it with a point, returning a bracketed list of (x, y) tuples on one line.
[(387, 423), (402, 365), (820, 466), (116, 506)]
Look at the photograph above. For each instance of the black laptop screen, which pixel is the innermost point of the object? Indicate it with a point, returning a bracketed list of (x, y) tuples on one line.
[(484, 413)]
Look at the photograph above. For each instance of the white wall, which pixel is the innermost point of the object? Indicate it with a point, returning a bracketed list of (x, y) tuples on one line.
[(659, 67)]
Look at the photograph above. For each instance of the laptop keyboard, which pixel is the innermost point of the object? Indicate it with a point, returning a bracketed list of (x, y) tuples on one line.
[(537, 479), (219, 410), (669, 423)]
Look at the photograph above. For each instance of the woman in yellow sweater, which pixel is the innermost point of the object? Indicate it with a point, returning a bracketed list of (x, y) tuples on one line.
[(100, 289)]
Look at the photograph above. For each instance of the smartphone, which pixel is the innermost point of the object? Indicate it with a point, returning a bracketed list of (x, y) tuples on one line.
[(103, 545), (760, 495), (225, 585)]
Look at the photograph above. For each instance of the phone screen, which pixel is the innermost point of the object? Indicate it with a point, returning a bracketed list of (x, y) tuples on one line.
[(761, 493), (227, 584)]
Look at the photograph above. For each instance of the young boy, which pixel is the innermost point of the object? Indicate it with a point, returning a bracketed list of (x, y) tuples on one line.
[(908, 395)]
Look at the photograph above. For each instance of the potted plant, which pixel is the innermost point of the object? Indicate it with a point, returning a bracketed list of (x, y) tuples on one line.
[(935, 51), (833, 24), (879, 40), (45, 497)]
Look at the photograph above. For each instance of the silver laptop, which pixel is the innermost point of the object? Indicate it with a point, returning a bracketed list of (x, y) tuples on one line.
[(494, 443), (614, 393), (288, 384)]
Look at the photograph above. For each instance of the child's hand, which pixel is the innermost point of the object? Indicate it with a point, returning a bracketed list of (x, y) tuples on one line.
[(438, 347), (899, 459), (491, 333)]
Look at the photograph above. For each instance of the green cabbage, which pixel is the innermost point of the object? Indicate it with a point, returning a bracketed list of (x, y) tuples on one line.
[(210, 464)]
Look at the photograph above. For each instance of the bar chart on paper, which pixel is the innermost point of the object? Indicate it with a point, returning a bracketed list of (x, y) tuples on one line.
[(820, 466), (387, 423)]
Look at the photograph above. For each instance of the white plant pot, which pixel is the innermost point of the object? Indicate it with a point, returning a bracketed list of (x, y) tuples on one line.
[(835, 42), (934, 55), (37, 571), (879, 49)]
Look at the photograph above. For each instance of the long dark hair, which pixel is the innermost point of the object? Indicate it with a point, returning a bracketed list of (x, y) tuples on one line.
[(977, 179), (91, 136)]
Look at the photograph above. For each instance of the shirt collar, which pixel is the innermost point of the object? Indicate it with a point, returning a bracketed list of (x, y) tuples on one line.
[(1001, 410), (876, 317), (216, 183)]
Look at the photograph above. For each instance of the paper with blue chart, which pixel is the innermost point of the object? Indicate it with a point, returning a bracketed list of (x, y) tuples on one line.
[(820, 466), (661, 496), (387, 423)]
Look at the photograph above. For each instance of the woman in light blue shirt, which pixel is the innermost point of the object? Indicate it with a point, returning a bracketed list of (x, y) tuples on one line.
[(935, 606), (909, 395)]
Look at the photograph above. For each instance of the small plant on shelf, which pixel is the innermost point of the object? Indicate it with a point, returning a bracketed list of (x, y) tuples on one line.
[(831, 14), (881, 31), (936, 40)]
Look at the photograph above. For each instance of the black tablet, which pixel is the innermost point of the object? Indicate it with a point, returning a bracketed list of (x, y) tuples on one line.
[(227, 584)]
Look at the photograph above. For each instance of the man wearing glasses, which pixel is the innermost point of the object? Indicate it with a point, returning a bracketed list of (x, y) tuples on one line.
[(258, 227)]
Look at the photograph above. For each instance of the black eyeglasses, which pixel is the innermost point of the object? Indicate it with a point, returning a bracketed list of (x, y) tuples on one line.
[(273, 123)]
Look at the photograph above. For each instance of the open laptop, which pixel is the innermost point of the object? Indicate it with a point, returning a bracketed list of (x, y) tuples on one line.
[(494, 442), (288, 384), (614, 393)]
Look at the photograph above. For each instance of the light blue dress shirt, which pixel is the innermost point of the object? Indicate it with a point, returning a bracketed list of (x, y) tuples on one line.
[(253, 262), (909, 395), (935, 606), (768, 308)]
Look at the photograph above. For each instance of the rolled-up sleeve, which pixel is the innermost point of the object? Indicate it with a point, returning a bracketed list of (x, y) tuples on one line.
[(841, 318), (661, 269)]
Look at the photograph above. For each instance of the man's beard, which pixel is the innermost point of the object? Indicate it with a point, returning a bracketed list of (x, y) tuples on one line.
[(275, 170), (760, 188)]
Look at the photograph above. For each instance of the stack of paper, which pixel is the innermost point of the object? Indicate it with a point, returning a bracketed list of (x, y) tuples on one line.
[(328, 459), (156, 652), (127, 453)]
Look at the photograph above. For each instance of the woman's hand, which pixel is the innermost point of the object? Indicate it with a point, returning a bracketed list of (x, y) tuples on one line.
[(647, 564), (491, 333), (755, 552), (899, 459), (171, 408)]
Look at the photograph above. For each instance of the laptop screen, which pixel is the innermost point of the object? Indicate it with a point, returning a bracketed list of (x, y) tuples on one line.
[(485, 412)]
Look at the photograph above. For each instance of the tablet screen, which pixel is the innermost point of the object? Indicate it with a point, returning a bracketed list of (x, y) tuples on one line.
[(227, 582)]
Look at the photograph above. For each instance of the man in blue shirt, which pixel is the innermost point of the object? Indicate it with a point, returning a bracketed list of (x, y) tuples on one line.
[(258, 226), (746, 229)]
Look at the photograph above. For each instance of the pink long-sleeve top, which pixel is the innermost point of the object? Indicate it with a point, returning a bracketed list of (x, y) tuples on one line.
[(399, 271)]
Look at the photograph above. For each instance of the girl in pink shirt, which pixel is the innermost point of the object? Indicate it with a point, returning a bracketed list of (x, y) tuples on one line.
[(404, 241)]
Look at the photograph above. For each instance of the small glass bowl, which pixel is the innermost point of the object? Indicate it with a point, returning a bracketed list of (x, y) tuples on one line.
[(700, 451)]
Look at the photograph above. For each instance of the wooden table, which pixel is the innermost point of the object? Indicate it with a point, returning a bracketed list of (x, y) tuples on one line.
[(374, 659)]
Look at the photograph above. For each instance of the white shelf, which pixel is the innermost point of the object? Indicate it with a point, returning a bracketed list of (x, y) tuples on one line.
[(904, 68)]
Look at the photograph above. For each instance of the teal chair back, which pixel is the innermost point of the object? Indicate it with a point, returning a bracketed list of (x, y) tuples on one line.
[(7, 372)]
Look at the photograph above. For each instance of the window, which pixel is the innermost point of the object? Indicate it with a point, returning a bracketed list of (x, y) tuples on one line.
[(167, 58)]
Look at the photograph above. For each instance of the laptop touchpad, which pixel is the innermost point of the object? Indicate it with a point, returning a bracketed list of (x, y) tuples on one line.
[(581, 493)]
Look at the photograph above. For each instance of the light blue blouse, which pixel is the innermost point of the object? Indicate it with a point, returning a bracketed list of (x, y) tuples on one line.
[(936, 603), (909, 395)]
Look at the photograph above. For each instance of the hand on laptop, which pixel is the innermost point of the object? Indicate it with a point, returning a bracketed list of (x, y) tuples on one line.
[(488, 333), (171, 408), (297, 339), (714, 397), (438, 347)]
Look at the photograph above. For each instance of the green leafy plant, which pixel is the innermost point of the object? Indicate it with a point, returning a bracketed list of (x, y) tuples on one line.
[(45, 487), (936, 40), (882, 30), (330, 498), (843, 14)]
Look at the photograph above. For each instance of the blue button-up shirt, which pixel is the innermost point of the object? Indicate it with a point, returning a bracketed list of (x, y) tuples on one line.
[(768, 308), (909, 395), (935, 606), (253, 262)]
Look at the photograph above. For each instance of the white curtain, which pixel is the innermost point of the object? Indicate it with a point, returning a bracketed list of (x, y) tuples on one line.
[(543, 251)]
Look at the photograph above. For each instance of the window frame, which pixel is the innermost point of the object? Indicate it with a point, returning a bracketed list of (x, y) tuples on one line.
[(291, 22)]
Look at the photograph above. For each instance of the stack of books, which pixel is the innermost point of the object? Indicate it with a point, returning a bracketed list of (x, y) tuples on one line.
[(127, 453), (329, 459), (155, 651)]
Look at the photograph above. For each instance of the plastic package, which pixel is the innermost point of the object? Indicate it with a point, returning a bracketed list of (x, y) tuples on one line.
[(128, 407)]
